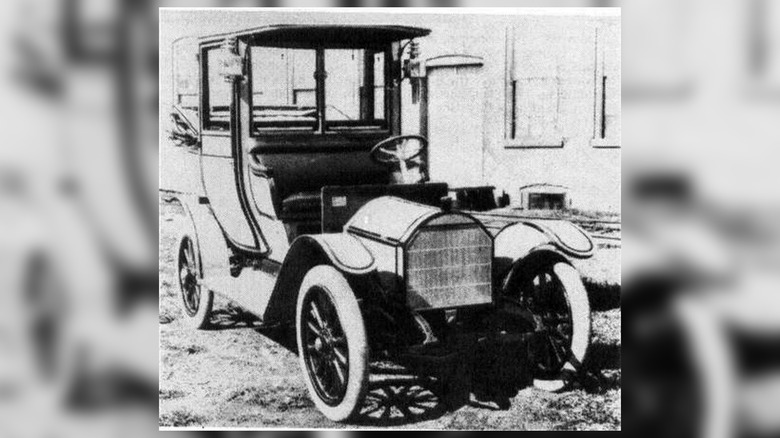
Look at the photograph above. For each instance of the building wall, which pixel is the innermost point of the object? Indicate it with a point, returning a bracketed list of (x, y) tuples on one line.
[(563, 152)]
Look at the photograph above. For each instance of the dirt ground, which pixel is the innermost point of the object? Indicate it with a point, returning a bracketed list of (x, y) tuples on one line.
[(236, 375)]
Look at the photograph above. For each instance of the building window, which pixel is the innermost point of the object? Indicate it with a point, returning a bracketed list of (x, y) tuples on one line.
[(544, 197), (545, 201), (533, 74), (606, 126)]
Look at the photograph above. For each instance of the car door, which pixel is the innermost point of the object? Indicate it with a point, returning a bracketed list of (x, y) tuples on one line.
[(220, 155)]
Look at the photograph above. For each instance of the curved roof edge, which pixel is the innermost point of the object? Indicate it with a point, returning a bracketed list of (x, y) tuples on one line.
[(327, 33)]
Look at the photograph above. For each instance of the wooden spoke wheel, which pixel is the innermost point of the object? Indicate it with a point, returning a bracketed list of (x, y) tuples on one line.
[(554, 295), (196, 300), (332, 344)]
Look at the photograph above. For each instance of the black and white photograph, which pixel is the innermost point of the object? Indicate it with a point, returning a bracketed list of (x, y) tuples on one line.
[(390, 218), (256, 216)]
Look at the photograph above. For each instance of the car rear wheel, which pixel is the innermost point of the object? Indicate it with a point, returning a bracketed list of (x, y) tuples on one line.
[(554, 294), (332, 346), (196, 300)]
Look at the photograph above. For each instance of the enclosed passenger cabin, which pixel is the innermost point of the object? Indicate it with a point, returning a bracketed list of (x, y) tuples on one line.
[(287, 111)]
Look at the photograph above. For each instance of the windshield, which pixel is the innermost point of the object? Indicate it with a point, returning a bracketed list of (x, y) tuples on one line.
[(318, 89)]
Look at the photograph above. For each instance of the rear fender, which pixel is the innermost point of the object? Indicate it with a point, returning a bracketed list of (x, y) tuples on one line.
[(342, 251), (209, 241)]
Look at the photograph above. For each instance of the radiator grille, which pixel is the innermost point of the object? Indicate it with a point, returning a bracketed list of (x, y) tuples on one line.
[(449, 266)]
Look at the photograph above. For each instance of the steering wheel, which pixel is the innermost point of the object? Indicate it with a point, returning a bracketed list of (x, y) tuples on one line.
[(396, 149), (399, 150)]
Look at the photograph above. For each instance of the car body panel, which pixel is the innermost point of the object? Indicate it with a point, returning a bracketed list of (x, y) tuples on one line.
[(374, 220), (517, 240), (346, 253)]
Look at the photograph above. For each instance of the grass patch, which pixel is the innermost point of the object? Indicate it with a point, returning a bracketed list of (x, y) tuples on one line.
[(195, 349), (469, 420), (169, 310), (170, 394), (180, 418), (166, 316), (607, 327), (594, 215), (189, 349), (581, 411), (572, 214), (282, 396)]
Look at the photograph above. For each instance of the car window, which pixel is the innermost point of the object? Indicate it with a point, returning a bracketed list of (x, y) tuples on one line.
[(218, 90), (186, 77), (285, 94), (354, 87), (284, 88)]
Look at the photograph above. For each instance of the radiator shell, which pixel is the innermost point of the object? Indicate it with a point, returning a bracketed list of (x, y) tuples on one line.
[(448, 265), (438, 259)]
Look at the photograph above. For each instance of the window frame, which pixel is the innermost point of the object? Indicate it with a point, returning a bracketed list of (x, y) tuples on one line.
[(280, 128), (322, 125), (601, 138), (208, 125), (179, 51), (356, 125), (510, 105)]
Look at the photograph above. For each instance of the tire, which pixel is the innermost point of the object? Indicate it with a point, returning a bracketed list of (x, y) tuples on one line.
[(327, 317), (195, 299), (553, 292)]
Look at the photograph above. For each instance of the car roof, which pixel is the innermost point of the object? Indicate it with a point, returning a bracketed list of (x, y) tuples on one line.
[(340, 34)]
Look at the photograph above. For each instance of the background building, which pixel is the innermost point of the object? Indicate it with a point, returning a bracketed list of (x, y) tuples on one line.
[(527, 103)]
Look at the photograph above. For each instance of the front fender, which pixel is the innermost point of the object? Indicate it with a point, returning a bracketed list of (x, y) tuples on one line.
[(345, 253), (518, 240), (342, 251)]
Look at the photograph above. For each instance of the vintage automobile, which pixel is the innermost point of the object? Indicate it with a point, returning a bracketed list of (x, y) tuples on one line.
[(306, 205)]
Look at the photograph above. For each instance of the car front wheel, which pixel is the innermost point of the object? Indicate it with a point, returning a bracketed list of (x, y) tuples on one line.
[(332, 345), (554, 294)]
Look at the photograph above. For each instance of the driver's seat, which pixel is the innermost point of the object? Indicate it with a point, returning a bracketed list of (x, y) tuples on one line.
[(307, 205), (301, 206)]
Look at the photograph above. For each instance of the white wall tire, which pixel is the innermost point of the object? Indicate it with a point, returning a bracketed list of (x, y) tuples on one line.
[(554, 293), (332, 343), (579, 303)]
